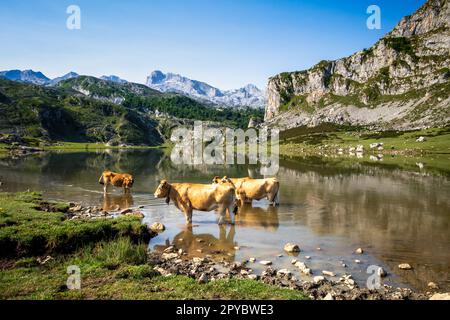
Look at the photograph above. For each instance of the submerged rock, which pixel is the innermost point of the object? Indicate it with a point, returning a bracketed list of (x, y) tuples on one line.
[(157, 227), (404, 266), (291, 248)]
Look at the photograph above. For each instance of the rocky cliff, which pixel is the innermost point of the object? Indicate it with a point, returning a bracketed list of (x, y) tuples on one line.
[(400, 82)]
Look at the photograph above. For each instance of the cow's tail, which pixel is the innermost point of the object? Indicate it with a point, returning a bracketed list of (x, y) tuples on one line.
[(277, 187)]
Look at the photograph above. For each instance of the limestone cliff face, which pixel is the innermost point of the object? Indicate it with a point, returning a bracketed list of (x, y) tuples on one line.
[(409, 63)]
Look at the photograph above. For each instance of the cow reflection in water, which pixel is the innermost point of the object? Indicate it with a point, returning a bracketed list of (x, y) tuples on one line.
[(201, 245), (224, 247), (117, 202), (257, 217)]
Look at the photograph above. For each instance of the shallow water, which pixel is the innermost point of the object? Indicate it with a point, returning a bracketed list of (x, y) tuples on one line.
[(396, 216)]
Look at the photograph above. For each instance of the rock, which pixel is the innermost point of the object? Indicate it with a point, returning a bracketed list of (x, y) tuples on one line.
[(359, 251), (329, 273), (433, 286), (319, 249), (197, 260), (157, 227), (290, 247), (404, 266), (283, 272), (252, 260), (440, 296), (294, 261), (307, 257), (344, 265), (169, 256), (203, 278), (360, 149), (265, 262), (329, 296), (252, 277), (318, 279), (126, 211), (136, 214), (237, 248), (357, 261), (421, 139)]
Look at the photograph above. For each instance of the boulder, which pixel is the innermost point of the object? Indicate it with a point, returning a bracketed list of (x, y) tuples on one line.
[(126, 211), (318, 279), (203, 278)]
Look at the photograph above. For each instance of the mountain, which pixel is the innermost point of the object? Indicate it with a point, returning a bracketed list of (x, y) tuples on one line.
[(28, 76), (401, 82), (248, 96), (67, 76), (113, 79), (33, 113)]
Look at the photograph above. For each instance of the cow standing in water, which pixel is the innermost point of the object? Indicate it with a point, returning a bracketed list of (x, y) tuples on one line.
[(248, 189), (118, 180), (202, 197)]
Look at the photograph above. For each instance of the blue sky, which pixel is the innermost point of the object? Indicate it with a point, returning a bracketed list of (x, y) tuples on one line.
[(227, 43)]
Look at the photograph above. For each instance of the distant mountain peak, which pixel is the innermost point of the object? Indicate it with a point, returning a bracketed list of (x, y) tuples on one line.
[(249, 95), (28, 76), (113, 78)]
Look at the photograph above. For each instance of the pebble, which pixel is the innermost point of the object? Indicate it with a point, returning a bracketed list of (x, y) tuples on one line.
[(329, 273), (404, 266), (252, 260), (283, 272), (294, 261), (359, 251), (125, 211), (266, 262), (252, 277), (203, 278), (358, 261), (318, 279), (329, 296), (307, 257), (291, 247), (157, 227), (433, 286), (381, 272)]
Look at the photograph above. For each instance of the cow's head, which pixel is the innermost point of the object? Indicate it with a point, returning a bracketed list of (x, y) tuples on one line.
[(216, 180), (128, 182), (163, 190)]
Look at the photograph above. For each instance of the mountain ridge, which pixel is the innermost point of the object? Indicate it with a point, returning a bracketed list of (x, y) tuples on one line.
[(401, 82), (247, 96)]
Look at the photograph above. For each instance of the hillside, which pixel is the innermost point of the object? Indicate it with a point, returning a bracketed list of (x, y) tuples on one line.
[(401, 82), (87, 109), (140, 97), (49, 114)]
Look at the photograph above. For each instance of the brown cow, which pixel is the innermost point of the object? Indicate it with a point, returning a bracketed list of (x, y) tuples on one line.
[(119, 180), (188, 197), (248, 189)]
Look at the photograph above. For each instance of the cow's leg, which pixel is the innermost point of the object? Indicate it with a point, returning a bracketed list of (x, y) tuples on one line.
[(188, 215), (105, 188), (277, 198), (222, 213), (231, 212)]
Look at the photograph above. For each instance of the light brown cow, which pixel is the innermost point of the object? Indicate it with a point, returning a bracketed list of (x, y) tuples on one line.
[(248, 189), (119, 180), (188, 197)]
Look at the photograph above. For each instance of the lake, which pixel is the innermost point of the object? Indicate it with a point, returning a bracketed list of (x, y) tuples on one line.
[(329, 207)]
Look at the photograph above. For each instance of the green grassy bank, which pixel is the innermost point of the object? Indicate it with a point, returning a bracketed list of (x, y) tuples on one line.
[(111, 254)]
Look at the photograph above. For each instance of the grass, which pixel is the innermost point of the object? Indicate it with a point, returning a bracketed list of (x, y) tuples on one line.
[(111, 255), (131, 279), (26, 230), (395, 142)]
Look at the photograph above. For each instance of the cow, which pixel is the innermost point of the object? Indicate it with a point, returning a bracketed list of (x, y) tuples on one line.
[(202, 197), (248, 189), (118, 180)]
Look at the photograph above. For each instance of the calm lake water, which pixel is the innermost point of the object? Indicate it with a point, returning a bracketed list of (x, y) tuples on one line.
[(396, 216)]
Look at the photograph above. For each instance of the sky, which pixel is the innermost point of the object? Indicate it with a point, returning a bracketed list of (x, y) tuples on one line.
[(226, 43)]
